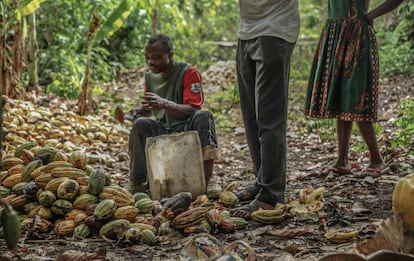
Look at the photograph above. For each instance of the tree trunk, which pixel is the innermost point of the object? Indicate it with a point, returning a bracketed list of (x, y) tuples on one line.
[(4, 68), (32, 55), (17, 66), (85, 101), (154, 21)]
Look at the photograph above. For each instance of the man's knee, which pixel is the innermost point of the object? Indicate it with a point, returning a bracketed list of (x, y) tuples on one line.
[(203, 116), (142, 126)]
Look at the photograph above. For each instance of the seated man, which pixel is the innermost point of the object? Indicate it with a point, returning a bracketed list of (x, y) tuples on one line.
[(174, 96)]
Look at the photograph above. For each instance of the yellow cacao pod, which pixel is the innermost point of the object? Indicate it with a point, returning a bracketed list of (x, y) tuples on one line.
[(78, 159), (228, 198), (68, 189), (126, 212), (402, 200)]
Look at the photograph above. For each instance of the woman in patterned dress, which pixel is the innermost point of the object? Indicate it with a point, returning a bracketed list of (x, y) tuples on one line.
[(343, 82)]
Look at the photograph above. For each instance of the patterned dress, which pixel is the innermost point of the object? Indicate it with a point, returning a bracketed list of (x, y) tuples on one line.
[(344, 77)]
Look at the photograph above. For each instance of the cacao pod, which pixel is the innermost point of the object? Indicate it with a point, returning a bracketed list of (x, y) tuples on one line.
[(84, 200), (402, 200), (65, 227), (61, 207), (46, 198), (97, 180), (228, 198), (68, 189), (78, 159), (126, 212), (81, 231), (145, 205), (148, 237), (139, 195), (133, 235), (115, 229), (105, 209)]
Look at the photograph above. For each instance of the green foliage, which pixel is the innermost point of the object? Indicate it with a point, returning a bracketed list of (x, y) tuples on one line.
[(195, 27), (405, 122), (325, 128), (114, 21), (396, 41), (224, 105)]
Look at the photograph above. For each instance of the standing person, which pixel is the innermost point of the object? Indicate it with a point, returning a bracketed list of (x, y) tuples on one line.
[(344, 78), (173, 94), (267, 35)]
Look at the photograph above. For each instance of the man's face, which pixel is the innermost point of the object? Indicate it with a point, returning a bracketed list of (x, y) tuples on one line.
[(158, 59)]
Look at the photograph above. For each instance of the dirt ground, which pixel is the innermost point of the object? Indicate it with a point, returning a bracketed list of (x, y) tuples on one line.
[(351, 201)]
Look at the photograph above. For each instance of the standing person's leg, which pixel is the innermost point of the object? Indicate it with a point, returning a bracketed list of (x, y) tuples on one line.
[(246, 76), (376, 166), (203, 122), (343, 132), (268, 119), (272, 82), (141, 130)]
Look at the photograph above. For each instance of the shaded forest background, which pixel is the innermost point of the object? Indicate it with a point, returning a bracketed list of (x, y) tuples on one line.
[(71, 48), (59, 54)]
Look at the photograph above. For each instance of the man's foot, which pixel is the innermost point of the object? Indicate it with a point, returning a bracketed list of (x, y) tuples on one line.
[(246, 211), (213, 190), (135, 187), (248, 193)]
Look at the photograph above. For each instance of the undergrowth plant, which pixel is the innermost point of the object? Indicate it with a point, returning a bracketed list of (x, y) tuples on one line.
[(405, 124)]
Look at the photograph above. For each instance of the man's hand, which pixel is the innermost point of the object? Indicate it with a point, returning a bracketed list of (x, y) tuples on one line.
[(137, 112), (153, 101)]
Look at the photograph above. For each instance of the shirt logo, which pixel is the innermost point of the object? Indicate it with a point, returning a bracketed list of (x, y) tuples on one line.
[(196, 87)]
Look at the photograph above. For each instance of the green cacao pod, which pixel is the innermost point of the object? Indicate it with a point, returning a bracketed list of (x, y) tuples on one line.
[(18, 188), (140, 195), (105, 209), (145, 205), (11, 226), (82, 231), (114, 229), (4, 192), (239, 222), (30, 206), (61, 207), (165, 229), (46, 198), (97, 180), (148, 237), (28, 169), (84, 200)]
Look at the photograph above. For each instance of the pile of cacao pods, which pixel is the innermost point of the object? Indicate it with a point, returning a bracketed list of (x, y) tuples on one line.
[(56, 126), (59, 192), (47, 178)]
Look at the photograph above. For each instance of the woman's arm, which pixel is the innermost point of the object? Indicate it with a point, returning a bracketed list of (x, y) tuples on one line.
[(386, 7)]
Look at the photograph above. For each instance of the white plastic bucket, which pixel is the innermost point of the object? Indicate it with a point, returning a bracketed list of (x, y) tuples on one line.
[(175, 164)]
